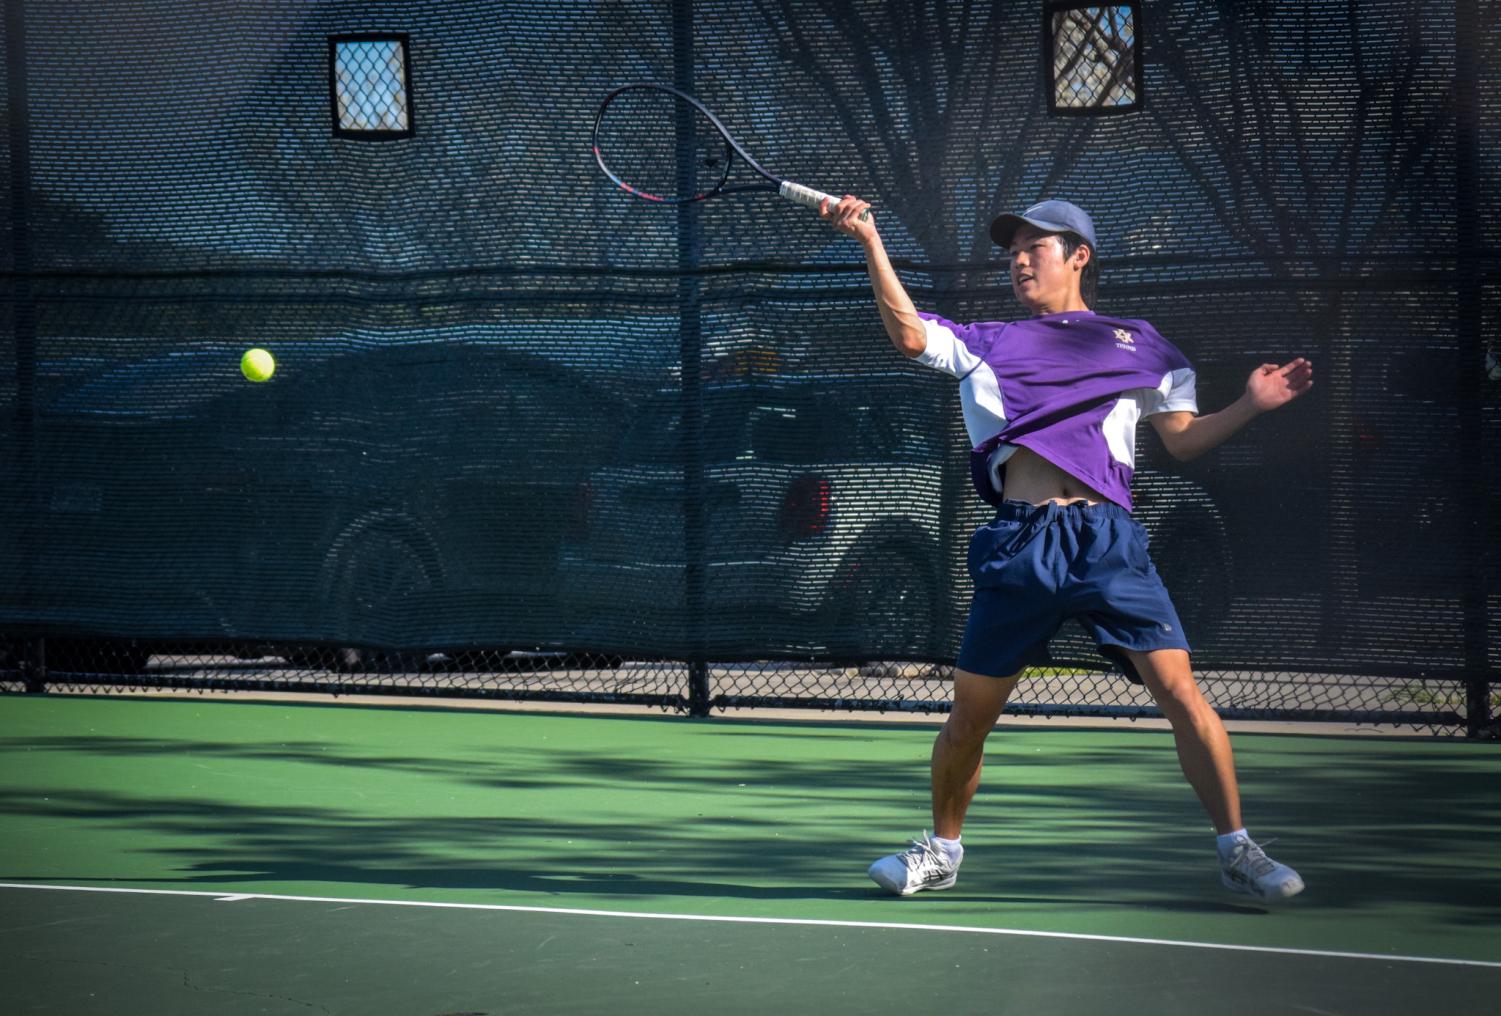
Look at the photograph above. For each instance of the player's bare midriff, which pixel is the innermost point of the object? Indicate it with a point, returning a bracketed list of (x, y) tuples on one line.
[(1032, 478)]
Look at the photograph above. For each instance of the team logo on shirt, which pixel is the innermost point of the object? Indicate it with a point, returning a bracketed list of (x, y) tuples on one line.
[(1123, 340)]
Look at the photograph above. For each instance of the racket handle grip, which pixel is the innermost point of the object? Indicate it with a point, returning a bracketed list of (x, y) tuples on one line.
[(810, 198)]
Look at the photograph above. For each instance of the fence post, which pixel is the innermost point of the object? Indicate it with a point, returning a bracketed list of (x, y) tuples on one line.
[(23, 306), (1469, 392), (690, 335)]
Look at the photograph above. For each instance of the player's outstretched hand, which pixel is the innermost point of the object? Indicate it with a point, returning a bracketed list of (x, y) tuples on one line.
[(1271, 386), (845, 217)]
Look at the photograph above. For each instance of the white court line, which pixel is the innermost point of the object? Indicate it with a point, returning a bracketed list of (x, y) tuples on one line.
[(234, 897)]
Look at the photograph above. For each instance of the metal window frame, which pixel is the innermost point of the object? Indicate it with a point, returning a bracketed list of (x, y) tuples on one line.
[(1049, 80), (355, 134)]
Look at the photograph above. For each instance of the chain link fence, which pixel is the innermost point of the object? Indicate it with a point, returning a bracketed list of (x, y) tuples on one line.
[(1399, 704), (519, 444)]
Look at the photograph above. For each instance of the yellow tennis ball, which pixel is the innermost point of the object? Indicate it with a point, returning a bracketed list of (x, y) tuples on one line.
[(257, 365)]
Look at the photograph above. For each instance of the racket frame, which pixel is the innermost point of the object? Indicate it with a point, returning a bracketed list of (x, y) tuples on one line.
[(807, 196)]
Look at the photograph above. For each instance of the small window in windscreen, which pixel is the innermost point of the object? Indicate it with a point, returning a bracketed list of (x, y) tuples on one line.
[(1093, 55), (370, 86)]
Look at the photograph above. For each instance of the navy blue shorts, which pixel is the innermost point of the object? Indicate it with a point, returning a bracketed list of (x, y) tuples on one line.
[(1036, 566)]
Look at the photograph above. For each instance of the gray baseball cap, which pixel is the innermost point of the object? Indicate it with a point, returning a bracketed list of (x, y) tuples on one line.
[(1049, 216)]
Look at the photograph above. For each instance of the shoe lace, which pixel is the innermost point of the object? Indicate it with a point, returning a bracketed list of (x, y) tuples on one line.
[(923, 852), (1251, 856)]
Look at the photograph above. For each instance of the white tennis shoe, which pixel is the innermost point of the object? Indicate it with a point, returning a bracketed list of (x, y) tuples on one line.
[(921, 866), (1247, 869)]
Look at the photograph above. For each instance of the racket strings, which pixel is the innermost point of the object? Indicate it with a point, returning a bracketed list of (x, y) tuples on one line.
[(660, 147)]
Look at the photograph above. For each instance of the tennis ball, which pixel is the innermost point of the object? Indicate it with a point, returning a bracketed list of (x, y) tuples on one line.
[(257, 365)]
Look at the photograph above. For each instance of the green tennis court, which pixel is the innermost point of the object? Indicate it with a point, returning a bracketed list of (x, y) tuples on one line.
[(237, 857)]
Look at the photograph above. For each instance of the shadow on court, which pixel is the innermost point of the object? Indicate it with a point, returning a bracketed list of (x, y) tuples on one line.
[(438, 862), (669, 808)]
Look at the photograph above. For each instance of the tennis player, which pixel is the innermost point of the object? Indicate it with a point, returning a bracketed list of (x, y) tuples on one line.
[(1051, 403)]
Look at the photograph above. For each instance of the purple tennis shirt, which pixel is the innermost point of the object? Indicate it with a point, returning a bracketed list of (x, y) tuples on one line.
[(1070, 386)]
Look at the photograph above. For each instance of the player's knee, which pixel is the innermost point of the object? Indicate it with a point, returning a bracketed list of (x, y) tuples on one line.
[(969, 726), (1182, 698), (978, 703), (965, 728)]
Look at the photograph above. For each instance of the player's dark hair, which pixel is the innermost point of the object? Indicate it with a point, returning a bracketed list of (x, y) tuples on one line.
[(1089, 279)]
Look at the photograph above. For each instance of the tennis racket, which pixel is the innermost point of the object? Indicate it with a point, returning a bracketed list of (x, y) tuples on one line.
[(640, 134)]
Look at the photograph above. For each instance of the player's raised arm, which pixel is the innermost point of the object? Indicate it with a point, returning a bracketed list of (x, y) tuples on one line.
[(898, 314), (1270, 387)]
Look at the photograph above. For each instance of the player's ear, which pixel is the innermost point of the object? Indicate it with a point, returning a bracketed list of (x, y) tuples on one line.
[(1083, 254)]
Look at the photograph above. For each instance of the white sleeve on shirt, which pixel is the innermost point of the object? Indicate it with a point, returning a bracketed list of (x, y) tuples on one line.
[(945, 351), (1178, 393)]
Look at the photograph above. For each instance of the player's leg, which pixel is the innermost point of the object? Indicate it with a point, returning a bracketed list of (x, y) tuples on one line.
[(1011, 618), (958, 753), (1121, 600), (1203, 746), (1205, 756), (959, 749)]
